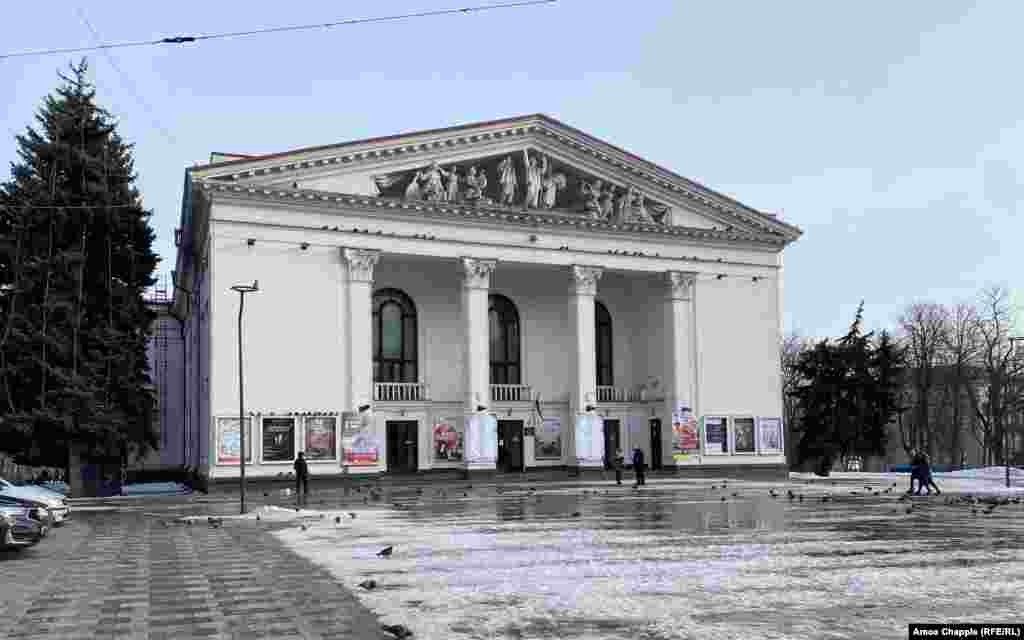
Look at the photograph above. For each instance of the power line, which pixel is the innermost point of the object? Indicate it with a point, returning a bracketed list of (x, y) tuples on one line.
[(304, 27)]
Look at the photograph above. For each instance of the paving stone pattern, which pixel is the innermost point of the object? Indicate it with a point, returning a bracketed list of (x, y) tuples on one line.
[(124, 575)]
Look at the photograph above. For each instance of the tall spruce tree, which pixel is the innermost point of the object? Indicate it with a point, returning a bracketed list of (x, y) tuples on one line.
[(76, 256), (848, 395)]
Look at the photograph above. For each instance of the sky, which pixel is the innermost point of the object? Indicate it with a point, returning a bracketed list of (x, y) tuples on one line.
[(890, 133)]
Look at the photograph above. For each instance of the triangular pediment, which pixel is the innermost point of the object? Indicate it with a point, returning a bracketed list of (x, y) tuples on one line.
[(533, 163)]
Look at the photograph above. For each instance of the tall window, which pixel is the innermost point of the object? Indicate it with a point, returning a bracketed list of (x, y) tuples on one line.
[(603, 346), (504, 333), (394, 337)]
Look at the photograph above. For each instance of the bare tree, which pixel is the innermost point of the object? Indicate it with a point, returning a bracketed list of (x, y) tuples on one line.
[(1000, 371), (961, 347), (922, 328), (792, 345)]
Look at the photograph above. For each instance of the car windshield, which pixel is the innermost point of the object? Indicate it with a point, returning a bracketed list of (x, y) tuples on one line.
[(4, 483)]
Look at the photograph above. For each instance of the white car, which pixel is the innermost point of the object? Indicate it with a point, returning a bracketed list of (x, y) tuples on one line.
[(57, 504)]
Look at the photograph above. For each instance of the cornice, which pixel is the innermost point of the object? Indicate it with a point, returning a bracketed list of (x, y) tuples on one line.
[(490, 213), (537, 127)]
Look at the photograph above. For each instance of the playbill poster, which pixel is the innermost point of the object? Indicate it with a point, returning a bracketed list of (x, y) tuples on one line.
[(448, 440), (229, 441), (684, 433), (320, 437), (589, 439), (278, 439), (715, 437), (481, 437), (769, 433), (743, 435), (547, 443), (359, 444)]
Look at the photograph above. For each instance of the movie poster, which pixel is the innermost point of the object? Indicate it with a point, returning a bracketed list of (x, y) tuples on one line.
[(359, 444), (278, 439), (547, 443), (321, 440), (684, 433), (716, 440), (743, 435), (481, 438), (589, 439), (448, 440), (229, 441), (770, 435)]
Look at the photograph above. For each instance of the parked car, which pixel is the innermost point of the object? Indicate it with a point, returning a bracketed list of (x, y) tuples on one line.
[(18, 529), (36, 510), (57, 505)]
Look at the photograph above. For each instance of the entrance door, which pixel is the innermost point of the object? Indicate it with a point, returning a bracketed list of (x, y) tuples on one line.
[(510, 445), (655, 444), (402, 446), (611, 442)]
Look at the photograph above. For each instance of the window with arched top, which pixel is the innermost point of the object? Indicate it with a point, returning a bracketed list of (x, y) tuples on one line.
[(504, 336), (394, 337), (603, 345)]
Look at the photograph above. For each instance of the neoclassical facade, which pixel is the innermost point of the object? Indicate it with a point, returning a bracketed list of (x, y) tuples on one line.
[(504, 295)]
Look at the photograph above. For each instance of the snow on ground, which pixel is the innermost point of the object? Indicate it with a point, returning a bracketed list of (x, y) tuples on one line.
[(676, 561)]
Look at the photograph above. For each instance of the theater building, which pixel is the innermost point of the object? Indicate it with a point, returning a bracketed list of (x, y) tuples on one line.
[(506, 295)]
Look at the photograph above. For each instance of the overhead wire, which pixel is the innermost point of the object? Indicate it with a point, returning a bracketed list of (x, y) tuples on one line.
[(269, 30)]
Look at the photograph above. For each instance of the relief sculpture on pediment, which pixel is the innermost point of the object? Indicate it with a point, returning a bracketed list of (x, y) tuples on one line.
[(531, 181)]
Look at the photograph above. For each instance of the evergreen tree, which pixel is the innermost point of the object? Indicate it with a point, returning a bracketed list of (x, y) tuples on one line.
[(848, 397), (76, 256)]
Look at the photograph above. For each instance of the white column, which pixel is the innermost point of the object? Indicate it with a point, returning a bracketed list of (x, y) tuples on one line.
[(476, 286), (582, 290), (360, 264), (680, 383)]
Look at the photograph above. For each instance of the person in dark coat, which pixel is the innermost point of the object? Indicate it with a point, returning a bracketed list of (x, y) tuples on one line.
[(301, 478), (638, 466), (618, 463), (915, 471), (924, 478)]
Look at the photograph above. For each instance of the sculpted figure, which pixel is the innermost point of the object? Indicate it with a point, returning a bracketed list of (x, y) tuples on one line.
[(433, 187), (591, 193), (639, 211), (507, 179), (412, 191), (452, 187), (622, 205), (550, 186), (606, 202), (475, 185), (534, 174)]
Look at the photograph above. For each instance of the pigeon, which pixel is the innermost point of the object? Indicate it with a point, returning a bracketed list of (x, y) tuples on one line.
[(772, 493), (368, 584), (723, 498), (790, 494), (735, 495), (575, 514), (266, 494), (465, 495), (366, 500), (297, 510), (910, 509), (397, 630), (337, 519), (385, 552), (801, 497), (352, 515), (304, 527), (257, 516)]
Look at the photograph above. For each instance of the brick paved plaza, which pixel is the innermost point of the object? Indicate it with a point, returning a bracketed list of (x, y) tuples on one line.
[(123, 574)]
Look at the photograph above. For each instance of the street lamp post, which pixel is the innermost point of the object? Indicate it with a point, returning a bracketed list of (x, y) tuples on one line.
[(1016, 405), (242, 289)]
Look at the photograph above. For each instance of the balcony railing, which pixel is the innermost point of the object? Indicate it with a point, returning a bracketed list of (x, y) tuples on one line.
[(400, 392), (615, 394), (510, 393)]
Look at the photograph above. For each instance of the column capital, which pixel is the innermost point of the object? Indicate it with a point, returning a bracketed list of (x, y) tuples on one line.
[(360, 263), (584, 280), (680, 284), (476, 272)]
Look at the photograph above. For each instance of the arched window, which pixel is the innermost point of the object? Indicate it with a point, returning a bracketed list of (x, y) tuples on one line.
[(603, 345), (504, 333), (394, 337)]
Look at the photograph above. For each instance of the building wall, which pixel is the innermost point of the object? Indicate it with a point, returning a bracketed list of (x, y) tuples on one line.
[(166, 365)]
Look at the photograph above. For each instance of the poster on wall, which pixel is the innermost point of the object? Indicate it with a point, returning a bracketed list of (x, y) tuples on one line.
[(229, 441), (278, 439), (769, 432), (743, 435), (716, 439), (359, 444), (684, 433), (547, 444), (481, 438), (448, 440), (589, 439), (321, 441)]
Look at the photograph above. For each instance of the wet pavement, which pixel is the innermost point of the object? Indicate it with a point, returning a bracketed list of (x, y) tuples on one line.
[(679, 559)]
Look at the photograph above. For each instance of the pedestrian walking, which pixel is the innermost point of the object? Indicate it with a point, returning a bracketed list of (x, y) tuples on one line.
[(301, 478), (915, 471), (925, 476), (638, 466), (619, 461)]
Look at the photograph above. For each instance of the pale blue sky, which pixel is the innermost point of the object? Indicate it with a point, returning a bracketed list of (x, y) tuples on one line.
[(891, 133)]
